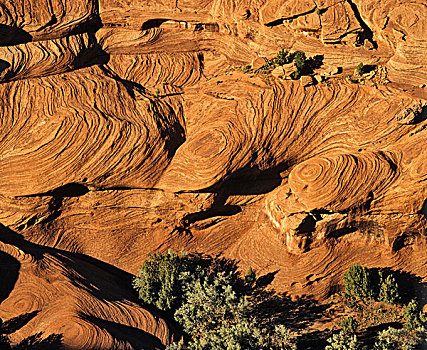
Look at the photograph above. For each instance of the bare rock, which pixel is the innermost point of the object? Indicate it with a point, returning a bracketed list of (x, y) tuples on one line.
[(278, 72), (306, 80), (258, 62)]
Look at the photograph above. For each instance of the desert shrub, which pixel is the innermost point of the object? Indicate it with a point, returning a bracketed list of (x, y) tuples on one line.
[(389, 290), (250, 277), (360, 69), (413, 316), (158, 280), (349, 325), (217, 316), (283, 57), (342, 341), (300, 60), (357, 282), (395, 339)]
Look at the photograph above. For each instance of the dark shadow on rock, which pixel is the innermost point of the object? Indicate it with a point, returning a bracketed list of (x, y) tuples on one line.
[(4, 65), (16, 323), (410, 285), (38, 342), (92, 55), (13, 35), (316, 340), (153, 23), (9, 272), (281, 309), (418, 119), (137, 338)]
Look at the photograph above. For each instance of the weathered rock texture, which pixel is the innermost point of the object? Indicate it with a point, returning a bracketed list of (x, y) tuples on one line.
[(128, 127)]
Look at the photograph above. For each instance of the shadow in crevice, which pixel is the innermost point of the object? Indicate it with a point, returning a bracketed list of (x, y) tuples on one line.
[(9, 272), (13, 35), (136, 337), (153, 23)]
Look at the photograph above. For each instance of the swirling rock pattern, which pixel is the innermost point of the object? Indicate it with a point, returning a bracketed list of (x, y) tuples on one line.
[(128, 127)]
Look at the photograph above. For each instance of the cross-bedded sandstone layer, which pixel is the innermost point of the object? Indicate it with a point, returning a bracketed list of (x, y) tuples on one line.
[(128, 127)]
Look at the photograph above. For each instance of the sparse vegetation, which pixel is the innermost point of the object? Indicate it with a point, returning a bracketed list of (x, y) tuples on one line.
[(360, 69), (349, 325), (389, 291), (215, 307), (342, 341), (357, 282), (396, 339)]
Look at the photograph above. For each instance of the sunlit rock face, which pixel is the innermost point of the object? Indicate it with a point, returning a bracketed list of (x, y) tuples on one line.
[(129, 127)]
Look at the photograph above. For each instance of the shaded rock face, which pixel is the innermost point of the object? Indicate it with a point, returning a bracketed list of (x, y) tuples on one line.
[(129, 127)]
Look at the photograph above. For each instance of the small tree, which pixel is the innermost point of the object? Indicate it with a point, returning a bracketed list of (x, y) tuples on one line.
[(413, 317), (389, 291), (357, 282), (157, 282), (300, 60), (250, 277)]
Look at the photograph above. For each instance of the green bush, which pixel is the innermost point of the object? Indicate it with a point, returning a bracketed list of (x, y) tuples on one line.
[(300, 60), (342, 341), (349, 325), (360, 69), (395, 339), (357, 282), (389, 290), (158, 280), (413, 316), (216, 316), (283, 57), (250, 277)]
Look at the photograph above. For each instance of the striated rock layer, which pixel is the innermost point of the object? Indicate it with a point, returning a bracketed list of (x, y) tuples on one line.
[(128, 127)]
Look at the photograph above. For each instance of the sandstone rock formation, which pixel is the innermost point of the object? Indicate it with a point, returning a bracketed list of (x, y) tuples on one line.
[(129, 127)]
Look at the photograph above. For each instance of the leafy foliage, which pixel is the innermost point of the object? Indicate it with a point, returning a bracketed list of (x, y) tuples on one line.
[(215, 310), (300, 60), (283, 57), (395, 339), (357, 282), (360, 68), (157, 282), (389, 290), (349, 325), (342, 341), (413, 317), (250, 277)]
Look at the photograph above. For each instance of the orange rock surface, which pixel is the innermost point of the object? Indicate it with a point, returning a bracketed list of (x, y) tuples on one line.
[(129, 126)]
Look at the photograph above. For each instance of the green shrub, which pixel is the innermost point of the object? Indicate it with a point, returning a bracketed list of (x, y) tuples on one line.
[(412, 315), (250, 277), (216, 316), (395, 339), (349, 325), (341, 341), (360, 69), (300, 60), (283, 57), (357, 282), (158, 280), (389, 290)]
